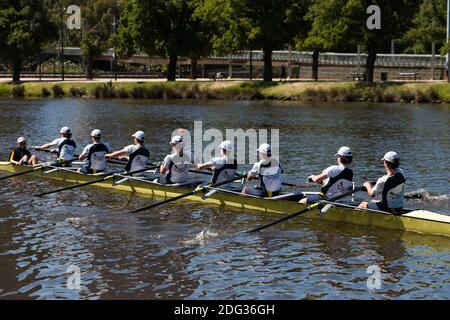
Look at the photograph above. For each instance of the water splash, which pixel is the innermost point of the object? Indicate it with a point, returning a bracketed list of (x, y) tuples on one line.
[(201, 237)]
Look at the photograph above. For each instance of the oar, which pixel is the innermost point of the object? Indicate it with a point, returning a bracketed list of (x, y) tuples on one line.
[(284, 183), (185, 195), (309, 208), (92, 182), (112, 160), (50, 164)]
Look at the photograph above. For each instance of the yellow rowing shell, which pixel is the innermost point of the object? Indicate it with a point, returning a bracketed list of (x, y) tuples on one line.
[(418, 220)]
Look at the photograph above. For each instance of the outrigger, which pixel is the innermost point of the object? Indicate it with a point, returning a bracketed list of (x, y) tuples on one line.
[(421, 221)]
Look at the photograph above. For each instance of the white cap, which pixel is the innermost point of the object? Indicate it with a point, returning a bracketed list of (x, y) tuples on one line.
[(21, 139), (226, 145), (140, 135), (344, 152), (65, 130), (96, 133), (176, 140), (265, 148), (391, 156)]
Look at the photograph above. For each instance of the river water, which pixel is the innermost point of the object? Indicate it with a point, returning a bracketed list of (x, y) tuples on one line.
[(188, 251)]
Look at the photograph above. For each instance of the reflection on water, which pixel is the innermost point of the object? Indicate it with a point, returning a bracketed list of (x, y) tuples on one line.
[(189, 251)]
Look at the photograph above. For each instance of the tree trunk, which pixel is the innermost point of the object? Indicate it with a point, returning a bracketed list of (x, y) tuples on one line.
[(172, 70), (268, 65), (370, 64), (315, 66), (90, 67), (16, 71), (194, 64)]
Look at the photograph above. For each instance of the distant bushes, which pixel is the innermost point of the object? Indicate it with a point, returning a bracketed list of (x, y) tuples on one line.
[(300, 91), (18, 91), (58, 91)]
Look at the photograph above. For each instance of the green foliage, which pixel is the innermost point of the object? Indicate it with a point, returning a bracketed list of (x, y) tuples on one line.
[(18, 91), (58, 91), (24, 28), (163, 27), (428, 26), (98, 18), (243, 24)]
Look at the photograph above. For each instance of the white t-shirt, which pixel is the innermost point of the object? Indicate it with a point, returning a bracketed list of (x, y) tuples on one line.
[(178, 166), (139, 162), (131, 148), (272, 178), (395, 195), (340, 186), (67, 151), (217, 163), (98, 160)]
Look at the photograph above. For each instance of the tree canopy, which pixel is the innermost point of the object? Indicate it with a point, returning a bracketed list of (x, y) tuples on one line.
[(262, 24), (24, 28)]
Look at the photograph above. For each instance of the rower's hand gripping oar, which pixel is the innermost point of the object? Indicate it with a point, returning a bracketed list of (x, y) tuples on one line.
[(199, 188), (94, 181), (309, 208), (38, 167)]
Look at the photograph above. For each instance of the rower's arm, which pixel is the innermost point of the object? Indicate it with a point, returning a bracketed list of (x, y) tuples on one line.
[(202, 166), (46, 146), (116, 154), (370, 190), (318, 178), (163, 169)]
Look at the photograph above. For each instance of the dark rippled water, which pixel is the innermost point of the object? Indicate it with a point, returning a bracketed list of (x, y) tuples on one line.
[(188, 251)]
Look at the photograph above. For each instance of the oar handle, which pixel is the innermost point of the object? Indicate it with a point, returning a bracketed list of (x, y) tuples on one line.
[(307, 209), (93, 182)]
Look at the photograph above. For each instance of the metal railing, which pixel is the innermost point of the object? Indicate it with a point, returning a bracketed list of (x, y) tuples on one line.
[(326, 58)]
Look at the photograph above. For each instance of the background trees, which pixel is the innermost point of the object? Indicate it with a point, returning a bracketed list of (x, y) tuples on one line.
[(163, 27), (261, 24), (98, 18), (24, 28), (429, 25), (196, 28)]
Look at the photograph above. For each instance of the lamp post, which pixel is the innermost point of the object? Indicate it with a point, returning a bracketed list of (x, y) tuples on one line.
[(62, 42), (114, 50), (448, 38)]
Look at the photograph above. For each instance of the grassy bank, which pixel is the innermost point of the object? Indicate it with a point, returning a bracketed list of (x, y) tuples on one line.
[(234, 90)]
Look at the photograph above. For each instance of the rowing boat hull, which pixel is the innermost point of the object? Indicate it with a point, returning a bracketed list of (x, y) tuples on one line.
[(419, 221)]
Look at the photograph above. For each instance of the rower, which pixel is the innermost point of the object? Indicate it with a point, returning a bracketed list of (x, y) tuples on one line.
[(93, 155), (136, 154), (336, 179), (20, 155), (176, 165), (224, 167), (65, 146), (269, 171), (391, 187)]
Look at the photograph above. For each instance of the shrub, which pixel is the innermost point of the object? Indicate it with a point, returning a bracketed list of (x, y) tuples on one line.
[(58, 91), (75, 92), (18, 91), (45, 92)]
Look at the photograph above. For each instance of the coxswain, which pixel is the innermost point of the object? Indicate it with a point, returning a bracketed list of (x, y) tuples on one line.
[(20, 155)]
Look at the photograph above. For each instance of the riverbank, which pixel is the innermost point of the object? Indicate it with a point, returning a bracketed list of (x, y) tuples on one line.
[(235, 90)]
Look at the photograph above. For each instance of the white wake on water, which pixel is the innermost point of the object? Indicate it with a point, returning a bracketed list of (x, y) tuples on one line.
[(201, 237)]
